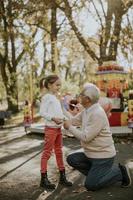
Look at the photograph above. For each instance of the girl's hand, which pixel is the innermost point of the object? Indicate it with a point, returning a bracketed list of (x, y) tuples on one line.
[(57, 120)]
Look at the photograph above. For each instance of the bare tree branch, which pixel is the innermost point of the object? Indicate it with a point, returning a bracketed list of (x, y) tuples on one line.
[(68, 13), (102, 8), (97, 13)]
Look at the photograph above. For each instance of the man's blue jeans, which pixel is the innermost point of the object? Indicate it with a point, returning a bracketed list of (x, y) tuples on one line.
[(99, 172)]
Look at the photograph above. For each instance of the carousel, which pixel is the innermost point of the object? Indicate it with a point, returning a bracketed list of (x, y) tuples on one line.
[(112, 80), (130, 110)]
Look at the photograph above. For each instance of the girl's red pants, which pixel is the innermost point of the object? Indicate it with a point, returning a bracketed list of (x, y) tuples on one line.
[(53, 141)]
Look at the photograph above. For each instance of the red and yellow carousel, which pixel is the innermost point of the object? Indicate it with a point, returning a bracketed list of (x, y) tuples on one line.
[(112, 80), (130, 110)]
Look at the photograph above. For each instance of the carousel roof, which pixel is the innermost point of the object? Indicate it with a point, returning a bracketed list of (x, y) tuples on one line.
[(111, 72)]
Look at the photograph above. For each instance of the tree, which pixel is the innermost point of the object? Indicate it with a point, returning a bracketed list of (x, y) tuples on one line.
[(53, 36), (110, 29), (9, 59), (16, 43), (109, 42)]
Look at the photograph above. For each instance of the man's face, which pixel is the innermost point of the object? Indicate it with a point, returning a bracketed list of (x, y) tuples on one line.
[(85, 101)]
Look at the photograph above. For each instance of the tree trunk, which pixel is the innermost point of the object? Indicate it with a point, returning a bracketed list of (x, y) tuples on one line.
[(10, 83), (12, 97), (53, 37)]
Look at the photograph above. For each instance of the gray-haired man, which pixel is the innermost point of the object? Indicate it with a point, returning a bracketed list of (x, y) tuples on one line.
[(97, 160)]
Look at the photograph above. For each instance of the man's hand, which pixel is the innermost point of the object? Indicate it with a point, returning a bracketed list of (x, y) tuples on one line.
[(67, 124)]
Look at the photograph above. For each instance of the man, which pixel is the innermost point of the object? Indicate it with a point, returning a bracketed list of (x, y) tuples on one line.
[(96, 162)]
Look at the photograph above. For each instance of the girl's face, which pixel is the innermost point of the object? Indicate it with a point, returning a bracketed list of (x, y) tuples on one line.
[(55, 87)]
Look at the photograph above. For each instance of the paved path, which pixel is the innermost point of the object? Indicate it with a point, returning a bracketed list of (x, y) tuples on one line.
[(20, 170)]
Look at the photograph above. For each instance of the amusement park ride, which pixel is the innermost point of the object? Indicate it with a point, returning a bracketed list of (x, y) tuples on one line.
[(113, 82), (130, 110)]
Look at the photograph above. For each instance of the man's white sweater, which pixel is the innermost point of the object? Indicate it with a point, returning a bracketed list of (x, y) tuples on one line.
[(95, 135)]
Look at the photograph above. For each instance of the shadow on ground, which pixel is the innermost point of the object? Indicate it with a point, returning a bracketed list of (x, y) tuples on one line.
[(22, 183)]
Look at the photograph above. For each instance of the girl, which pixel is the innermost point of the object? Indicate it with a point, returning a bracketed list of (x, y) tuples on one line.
[(51, 111), (27, 115)]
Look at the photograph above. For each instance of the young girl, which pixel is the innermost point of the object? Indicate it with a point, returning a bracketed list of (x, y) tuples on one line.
[(27, 115), (51, 111)]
